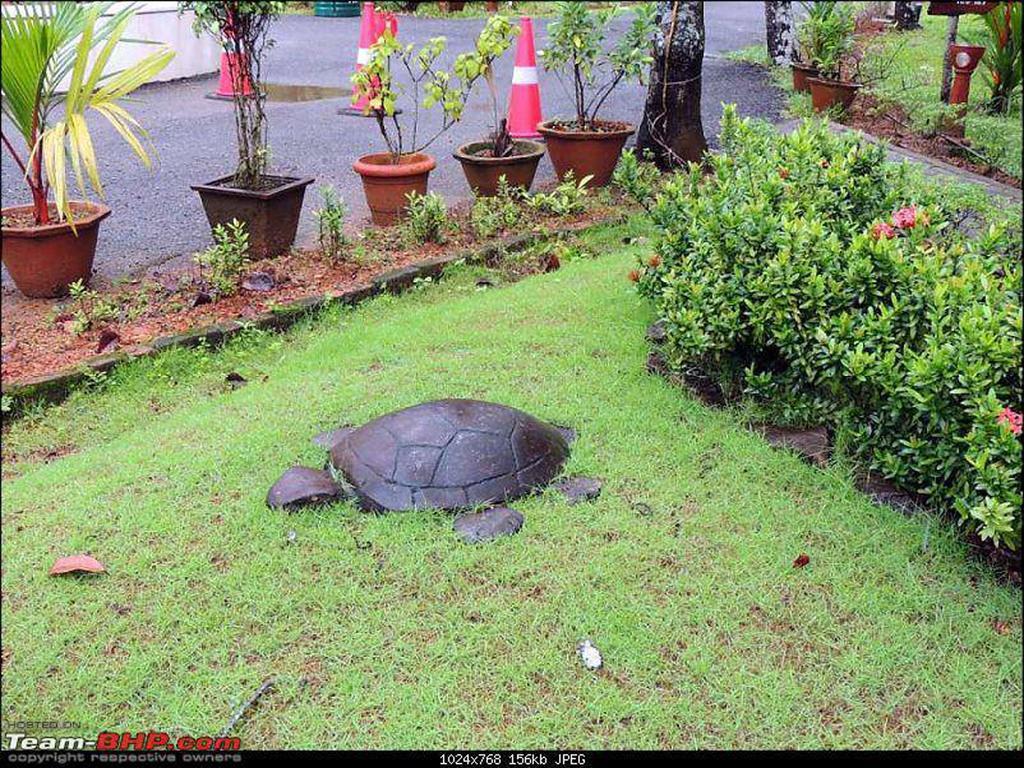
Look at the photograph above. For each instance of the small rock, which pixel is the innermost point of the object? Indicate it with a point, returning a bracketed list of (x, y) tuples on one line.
[(589, 655), (107, 341), (292, 536), (236, 379), (484, 282), (577, 489), (811, 443), (656, 332), (331, 437), (259, 281), (201, 298), (302, 486), (884, 493), (476, 527)]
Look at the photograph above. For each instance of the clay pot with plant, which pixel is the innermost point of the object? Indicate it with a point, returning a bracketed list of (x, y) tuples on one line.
[(390, 177), (585, 144), (485, 162), (49, 245), (268, 204), (826, 37)]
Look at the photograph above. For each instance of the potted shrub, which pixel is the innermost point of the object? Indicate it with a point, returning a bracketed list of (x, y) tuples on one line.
[(47, 245), (485, 162), (828, 32), (585, 144), (268, 204), (390, 177)]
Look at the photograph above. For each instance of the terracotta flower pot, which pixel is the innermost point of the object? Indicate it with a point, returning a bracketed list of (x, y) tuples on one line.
[(388, 184), (828, 93), (800, 74), (586, 153), (483, 172), (44, 261), (271, 215)]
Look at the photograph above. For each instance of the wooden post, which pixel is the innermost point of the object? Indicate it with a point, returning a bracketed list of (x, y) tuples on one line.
[(947, 65)]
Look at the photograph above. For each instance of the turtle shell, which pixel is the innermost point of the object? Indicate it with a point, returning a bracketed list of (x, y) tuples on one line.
[(448, 454)]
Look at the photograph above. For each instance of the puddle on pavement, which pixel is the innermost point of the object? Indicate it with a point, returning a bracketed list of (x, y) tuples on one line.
[(293, 93)]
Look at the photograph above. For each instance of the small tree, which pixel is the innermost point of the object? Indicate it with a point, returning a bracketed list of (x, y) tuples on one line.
[(826, 36), (243, 30), (495, 39), (1001, 37), (438, 87), (577, 37)]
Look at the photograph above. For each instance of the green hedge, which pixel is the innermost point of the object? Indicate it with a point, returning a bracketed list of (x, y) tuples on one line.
[(829, 284)]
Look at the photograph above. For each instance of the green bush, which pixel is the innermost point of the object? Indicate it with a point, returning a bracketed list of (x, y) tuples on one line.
[(427, 221), (815, 276), (222, 264)]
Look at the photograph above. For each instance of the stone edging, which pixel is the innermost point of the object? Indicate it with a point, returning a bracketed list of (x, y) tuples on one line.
[(55, 387)]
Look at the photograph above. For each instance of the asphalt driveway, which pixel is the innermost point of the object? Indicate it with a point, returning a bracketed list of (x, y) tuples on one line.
[(158, 219)]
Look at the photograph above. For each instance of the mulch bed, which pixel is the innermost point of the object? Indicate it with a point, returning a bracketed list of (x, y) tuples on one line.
[(891, 123), (38, 337)]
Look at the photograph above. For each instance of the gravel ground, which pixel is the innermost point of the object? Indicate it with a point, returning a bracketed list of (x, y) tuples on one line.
[(158, 219)]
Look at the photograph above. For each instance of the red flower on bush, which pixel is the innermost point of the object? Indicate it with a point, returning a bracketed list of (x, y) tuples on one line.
[(881, 229), (905, 218), (634, 275), (783, 173), (1010, 418), (654, 261)]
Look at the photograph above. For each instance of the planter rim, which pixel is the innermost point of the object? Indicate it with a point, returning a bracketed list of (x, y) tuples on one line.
[(462, 154), (378, 165), (545, 129), (835, 83), (290, 183), (97, 214)]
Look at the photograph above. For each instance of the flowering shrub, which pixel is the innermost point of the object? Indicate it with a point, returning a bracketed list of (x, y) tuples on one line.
[(840, 291)]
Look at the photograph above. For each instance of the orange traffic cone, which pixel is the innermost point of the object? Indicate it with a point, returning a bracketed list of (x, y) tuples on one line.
[(524, 104), (229, 70), (372, 27)]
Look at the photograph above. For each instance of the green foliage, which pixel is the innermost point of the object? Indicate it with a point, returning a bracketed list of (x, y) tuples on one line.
[(42, 45), (576, 44), (787, 272), (637, 178), (503, 211), (825, 36), (440, 88), (331, 223), (1001, 36), (221, 265), (427, 221), (569, 197), (87, 308), (243, 28)]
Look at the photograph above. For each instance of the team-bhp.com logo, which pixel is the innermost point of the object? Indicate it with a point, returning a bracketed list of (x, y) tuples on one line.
[(110, 741)]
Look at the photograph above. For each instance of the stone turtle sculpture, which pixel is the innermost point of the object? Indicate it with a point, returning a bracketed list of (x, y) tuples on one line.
[(443, 454)]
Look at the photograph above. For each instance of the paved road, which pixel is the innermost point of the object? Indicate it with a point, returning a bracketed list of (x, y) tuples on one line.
[(158, 219)]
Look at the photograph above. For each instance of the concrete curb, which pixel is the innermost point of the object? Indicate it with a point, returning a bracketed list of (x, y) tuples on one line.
[(55, 387)]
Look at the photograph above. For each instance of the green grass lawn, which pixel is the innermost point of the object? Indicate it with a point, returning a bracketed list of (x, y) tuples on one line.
[(386, 631), (905, 68)]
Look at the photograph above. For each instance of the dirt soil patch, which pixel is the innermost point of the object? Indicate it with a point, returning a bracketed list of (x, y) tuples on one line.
[(38, 335)]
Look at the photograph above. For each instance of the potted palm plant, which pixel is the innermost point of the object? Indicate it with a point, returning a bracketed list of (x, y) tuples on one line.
[(485, 162), (49, 245), (827, 33), (585, 144), (268, 204), (390, 177)]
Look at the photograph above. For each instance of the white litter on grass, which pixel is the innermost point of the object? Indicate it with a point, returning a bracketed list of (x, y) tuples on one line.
[(589, 655)]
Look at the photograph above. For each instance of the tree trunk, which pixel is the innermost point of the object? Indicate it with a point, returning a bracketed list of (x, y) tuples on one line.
[(906, 15), (778, 26), (671, 128), (947, 62)]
